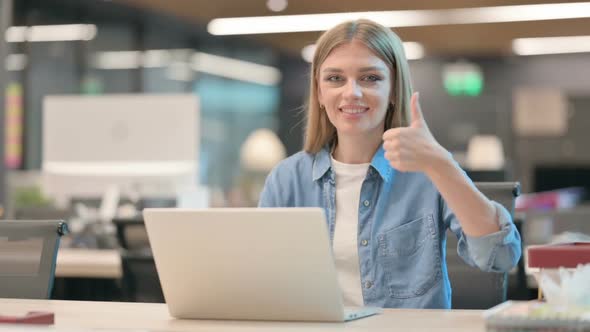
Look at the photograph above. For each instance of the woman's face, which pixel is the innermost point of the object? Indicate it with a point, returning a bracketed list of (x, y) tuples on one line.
[(354, 86)]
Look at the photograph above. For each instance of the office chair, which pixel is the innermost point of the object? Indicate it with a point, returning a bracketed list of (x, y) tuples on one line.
[(471, 287), (28, 253), (141, 282)]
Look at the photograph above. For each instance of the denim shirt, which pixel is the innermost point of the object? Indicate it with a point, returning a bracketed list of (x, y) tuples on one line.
[(402, 227)]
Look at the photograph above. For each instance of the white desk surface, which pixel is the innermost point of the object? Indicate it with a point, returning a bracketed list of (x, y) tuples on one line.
[(88, 263), (107, 316)]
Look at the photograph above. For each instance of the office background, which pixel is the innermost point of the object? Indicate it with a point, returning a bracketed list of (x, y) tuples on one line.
[(234, 108), (157, 47)]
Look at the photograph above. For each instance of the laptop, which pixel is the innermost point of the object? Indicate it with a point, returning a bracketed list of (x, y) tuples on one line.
[(247, 263)]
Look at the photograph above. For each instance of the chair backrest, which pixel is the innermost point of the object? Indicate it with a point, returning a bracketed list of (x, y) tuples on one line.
[(141, 282), (28, 252), (471, 287)]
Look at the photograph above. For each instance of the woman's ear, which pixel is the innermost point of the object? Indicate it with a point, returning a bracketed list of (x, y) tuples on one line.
[(391, 102), (319, 97)]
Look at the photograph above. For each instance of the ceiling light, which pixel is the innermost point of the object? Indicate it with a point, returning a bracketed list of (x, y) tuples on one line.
[(551, 45), (400, 18), (114, 168), (15, 62), (307, 53), (156, 58), (176, 58), (180, 71), (235, 69), (48, 33), (414, 50), (16, 34), (117, 60), (277, 5)]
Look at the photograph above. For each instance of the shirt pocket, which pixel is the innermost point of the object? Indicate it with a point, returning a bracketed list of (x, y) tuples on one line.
[(409, 257)]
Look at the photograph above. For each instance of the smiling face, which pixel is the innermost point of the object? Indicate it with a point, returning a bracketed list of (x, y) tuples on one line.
[(354, 86)]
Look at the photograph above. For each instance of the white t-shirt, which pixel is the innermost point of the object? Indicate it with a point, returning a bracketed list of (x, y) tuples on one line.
[(349, 179)]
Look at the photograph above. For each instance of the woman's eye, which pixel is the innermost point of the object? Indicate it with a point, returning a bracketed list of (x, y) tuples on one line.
[(334, 78), (372, 78)]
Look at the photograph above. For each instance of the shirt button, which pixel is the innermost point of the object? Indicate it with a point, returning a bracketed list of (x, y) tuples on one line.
[(366, 203), (368, 284), (364, 242)]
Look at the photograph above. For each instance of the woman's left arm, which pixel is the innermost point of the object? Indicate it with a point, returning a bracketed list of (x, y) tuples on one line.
[(414, 149), (474, 211)]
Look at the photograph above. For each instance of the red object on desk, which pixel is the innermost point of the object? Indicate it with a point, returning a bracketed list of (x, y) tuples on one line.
[(559, 255), (31, 317)]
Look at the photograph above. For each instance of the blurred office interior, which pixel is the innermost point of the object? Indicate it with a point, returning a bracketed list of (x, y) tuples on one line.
[(508, 111)]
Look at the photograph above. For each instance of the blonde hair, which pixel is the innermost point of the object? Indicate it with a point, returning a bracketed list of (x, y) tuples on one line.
[(388, 47)]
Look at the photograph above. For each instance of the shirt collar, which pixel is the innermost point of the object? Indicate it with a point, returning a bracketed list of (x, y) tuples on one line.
[(322, 164)]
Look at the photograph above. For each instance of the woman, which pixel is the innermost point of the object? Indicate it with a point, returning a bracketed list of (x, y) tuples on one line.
[(390, 191)]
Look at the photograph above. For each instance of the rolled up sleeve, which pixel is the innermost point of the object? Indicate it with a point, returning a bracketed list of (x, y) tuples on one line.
[(495, 252)]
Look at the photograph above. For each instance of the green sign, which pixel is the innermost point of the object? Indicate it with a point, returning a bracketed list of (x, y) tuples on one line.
[(463, 79)]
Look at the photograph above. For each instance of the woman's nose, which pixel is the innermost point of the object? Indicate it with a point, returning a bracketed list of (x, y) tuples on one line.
[(352, 89)]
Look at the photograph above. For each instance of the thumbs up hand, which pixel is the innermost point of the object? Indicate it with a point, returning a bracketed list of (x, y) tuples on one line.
[(413, 148)]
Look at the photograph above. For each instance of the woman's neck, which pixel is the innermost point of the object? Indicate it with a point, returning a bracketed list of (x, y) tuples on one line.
[(356, 149)]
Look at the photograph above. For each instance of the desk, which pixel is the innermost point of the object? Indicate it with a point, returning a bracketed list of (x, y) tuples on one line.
[(155, 317), (87, 274), (88, 263)]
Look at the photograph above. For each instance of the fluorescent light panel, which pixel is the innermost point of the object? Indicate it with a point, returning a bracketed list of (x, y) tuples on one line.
[(48, 33), (146, 168), (308, 52), (414, 50), (235, 69), (117, 60), (277, 5), (16, 34), (15, 62), (180, 71), (156, 58), (551, 45), (198, 61), (400, 18), (136, 59)]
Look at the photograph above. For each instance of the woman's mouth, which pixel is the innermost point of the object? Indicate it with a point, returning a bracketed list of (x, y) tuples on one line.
[(353, 109)]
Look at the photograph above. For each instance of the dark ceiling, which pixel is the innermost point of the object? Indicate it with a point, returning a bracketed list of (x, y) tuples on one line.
[(490, 39)]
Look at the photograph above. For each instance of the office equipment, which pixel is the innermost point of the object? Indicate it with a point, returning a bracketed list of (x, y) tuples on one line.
[(74, 316), (140, 281), (28, 251), (471, 287), (87, 274), (264, 264), (487, 175), (31, 317), (552, 177), (553, 256), (131, 233), (88, 263), (142, 145), (516, 316)]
